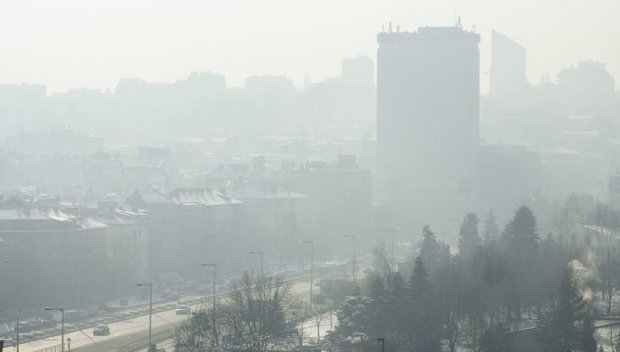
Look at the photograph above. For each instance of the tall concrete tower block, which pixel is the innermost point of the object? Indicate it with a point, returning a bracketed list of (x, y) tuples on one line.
[(428, 88)]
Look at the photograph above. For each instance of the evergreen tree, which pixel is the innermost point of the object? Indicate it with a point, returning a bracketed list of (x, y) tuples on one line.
[(520, 235), (419, 283), (397, 329), (569, 323), (469, 237), (379, 302), (425, 323), (491, 229), (433, 253), (520, 242)]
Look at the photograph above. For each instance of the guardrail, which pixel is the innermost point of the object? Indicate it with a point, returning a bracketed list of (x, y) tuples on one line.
[(56, 348)]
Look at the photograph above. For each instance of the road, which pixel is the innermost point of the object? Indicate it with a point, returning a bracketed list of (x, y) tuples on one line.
[(131, 327), (128, 330)]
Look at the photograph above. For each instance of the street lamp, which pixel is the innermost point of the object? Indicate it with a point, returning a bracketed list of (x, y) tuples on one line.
[(261, 262), (311, 243), (214, 316), (5, 261), (354, 254), (212, 265), (150, 286), (151, 257), (62, 325), (392, 231)]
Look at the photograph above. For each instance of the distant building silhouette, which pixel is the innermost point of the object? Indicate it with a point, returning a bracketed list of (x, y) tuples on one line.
[(427, 114), (507, 75), (358, 70)]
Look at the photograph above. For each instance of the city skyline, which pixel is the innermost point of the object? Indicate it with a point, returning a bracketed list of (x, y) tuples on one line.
[(162, 42)]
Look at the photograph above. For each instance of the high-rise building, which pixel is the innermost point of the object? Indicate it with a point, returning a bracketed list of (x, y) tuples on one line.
[(507, 75), (427, 115)]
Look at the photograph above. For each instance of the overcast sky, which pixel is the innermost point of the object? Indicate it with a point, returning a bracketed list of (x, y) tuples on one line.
[(93, 43)]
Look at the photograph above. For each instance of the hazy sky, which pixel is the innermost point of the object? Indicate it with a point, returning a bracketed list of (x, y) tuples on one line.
[(93, 43)]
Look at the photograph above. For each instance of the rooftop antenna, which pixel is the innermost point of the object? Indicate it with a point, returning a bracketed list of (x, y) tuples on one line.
[(390, 26), (454, 13), (458, 22)]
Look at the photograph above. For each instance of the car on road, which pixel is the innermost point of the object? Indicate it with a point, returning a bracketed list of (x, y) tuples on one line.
[(183, 310), (101, 330)]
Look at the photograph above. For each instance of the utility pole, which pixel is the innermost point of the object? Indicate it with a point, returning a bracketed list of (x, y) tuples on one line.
[(150, 286), (311, 243), (214, 314)]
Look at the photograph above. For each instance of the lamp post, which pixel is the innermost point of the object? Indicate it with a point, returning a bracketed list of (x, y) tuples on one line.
[(211, 265), (214, 315), (261, 262), (354, 254), (382, 339), (62, 326), (150, 286), (311, 243), (79, 268), (392, 231), (5, 261), (151, 258)]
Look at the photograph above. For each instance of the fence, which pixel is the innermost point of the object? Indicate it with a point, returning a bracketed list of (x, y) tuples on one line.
[(56, 348)]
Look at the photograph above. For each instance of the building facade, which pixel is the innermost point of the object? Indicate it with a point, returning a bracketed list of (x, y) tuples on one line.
[(428, 91)]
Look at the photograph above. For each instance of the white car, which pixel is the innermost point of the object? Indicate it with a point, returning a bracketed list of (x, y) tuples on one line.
[(183, 310)]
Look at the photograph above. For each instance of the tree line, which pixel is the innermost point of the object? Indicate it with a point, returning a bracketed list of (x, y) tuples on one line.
[(507, 290)]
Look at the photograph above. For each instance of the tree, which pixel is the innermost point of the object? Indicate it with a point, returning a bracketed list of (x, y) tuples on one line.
[(253, 318), (520, 241), (609, 274), (491, 229), (494, 339), (569, 322), (426, 334), (318, 314), (520, 235), (450, 302), (353, 315), (469, 237), (434, 254), (197, 333)]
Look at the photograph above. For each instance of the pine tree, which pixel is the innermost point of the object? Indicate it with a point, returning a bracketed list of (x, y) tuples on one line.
[(426, 326), (418, 283), (379, 302), (570, 323), (520, 242), (398, 299), (434, 254), (469, 237), (491, 229), (520, 235)]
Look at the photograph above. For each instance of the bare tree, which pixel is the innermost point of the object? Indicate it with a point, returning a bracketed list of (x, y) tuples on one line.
[(254, 318)]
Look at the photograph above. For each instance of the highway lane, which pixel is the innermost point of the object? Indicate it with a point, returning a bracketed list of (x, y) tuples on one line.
[(134, 327)]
